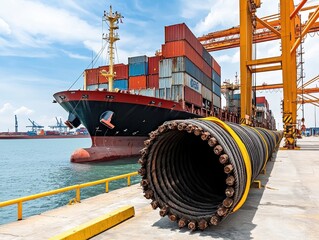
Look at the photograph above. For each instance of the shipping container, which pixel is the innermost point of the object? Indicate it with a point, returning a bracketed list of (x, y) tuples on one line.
[(121, 84), (92, 87), (207, 93), (177, 92), (182, 48), (103, 86), (165, 82), (92, 76), (97, 86), (120, 71), (182, 78), (137, 59), (153, 81), (216, 77), (207, 57), (192, 96), (161, 93), (216, 67), (216, 89), (153, 64), (236, 96), (137, 82), (262, 101), (216, 101), (138, 69), (145, 92), (183, 64), (181, 31), (168, 93), (165, 68)]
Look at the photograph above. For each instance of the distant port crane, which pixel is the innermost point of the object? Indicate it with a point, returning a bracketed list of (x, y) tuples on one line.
[(59, 125), (34, 125), (16, 123)]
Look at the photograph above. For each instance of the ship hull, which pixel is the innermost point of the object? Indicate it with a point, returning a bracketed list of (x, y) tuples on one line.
[(133, 118)]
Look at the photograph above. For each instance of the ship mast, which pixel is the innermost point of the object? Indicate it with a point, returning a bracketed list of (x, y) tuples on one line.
[(113, 20)]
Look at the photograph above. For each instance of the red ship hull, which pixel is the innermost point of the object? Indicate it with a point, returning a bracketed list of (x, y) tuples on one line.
[(109, 148)]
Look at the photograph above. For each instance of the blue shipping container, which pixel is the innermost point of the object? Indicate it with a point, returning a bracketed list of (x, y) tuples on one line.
[(121, 84), (138, 69), (237, 96), (216, 89), (207, 57), (137, 59), (216, 77)]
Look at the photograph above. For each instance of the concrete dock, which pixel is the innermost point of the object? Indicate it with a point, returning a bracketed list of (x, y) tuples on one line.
[(286, 207)]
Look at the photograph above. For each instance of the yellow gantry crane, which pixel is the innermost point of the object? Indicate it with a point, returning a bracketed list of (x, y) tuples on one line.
[(285, 26)]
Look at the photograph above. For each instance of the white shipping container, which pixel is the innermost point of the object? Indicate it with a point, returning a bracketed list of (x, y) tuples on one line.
[(165, 82), (177, 92), (178, 64), (92, 87), (165, 68), (206, 93), (161, 93), (149, 92), (216, 101), (98, 86), (182, 78)]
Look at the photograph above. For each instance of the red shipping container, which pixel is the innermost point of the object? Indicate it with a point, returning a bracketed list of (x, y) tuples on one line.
[(153, 81), (216, 67), (179, 32), (121, 71), (182, 48), (153, 64), (192, 96), (137, 82), (92, 76), (262, 100)]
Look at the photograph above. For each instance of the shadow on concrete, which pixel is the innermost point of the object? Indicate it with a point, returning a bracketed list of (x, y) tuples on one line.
[(238, 225)]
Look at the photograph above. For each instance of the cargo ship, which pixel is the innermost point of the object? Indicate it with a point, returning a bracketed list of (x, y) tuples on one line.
[(122, 103)]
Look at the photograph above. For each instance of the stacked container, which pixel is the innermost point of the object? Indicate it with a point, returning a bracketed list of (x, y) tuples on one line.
[(138, 71), (153, 71), (216, 73), (184, 73), (95, 79), (187, 63)]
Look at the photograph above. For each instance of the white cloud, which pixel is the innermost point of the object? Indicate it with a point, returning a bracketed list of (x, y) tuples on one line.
[(23, 111), (76, 56), (6, 107), (40, 25), (225, 16), (4, 27), (191, 9)]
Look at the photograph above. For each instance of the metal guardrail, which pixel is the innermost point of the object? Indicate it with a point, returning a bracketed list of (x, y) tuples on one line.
[(77, 188)]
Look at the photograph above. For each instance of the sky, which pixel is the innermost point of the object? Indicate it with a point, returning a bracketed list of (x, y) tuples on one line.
[(46, 44)]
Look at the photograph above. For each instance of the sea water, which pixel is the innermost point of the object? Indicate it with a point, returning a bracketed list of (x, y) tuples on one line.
[(30, 166)]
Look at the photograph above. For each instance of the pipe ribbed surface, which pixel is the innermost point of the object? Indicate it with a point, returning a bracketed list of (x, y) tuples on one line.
[(199, 171)]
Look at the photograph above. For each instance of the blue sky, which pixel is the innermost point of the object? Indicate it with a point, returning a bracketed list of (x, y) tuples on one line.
[(45, 45)]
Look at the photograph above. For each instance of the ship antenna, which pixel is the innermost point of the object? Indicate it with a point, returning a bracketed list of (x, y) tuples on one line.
[(113, 20)]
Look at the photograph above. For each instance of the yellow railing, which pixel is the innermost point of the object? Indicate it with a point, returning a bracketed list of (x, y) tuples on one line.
[(77, 188)]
